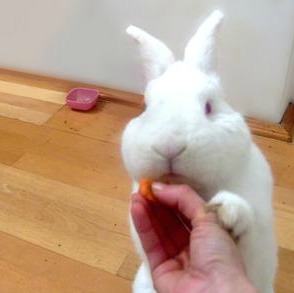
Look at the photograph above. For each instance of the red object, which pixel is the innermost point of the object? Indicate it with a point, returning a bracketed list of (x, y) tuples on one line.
[(145, 189), (82, 99)]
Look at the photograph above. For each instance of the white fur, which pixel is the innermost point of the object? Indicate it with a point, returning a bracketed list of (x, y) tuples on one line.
[(234, 212), (143, 280), (200, 50), (155, 55), (214, 154)]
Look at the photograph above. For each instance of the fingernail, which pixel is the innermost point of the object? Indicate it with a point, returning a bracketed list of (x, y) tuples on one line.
[(158, 186)]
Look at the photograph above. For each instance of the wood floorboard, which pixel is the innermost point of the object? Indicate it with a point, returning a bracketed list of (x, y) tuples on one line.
[(28, 268), (85, 226)]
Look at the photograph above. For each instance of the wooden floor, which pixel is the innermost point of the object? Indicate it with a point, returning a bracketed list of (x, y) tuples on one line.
[(64, 195)]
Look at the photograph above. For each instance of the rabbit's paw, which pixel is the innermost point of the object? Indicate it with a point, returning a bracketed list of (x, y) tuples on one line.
[(233, 212)]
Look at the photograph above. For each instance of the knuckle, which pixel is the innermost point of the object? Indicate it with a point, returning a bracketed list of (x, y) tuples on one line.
[(185, 188)]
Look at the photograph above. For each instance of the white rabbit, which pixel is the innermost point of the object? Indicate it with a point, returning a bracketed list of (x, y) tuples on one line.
[(190, 132)]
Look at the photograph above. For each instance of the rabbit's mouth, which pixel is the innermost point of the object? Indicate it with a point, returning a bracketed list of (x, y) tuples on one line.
[(173, 178)]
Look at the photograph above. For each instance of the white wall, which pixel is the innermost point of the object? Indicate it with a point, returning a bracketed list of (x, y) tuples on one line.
[(289, 89), (85, 40)]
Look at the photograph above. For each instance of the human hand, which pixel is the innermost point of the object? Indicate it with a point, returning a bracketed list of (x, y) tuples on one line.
[(193, 254)]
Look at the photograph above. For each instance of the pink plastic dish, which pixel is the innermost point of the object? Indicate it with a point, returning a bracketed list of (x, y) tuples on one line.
[(82, 99)]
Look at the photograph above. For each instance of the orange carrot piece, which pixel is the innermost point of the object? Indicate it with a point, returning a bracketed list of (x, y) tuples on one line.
[(145, 190)]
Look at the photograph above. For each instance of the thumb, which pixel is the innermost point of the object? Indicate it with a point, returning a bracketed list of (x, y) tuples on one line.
[(185, 200), (179, 197)]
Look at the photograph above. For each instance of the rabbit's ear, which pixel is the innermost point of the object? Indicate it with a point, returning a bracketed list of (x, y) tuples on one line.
[(156, 56), (201, 49)]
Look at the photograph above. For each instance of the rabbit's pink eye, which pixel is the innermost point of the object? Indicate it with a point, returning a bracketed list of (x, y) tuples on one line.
[(207, 108)]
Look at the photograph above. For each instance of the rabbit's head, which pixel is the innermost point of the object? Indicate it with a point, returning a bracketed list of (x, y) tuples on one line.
[(187, 131)]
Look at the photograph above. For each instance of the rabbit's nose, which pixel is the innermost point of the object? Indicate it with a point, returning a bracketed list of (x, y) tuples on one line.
[(170, 151)]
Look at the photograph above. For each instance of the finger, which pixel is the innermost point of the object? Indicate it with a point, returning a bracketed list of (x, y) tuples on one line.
[(166, 226), (179, 197), (160, 220), (149, 239), (172, 228)]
